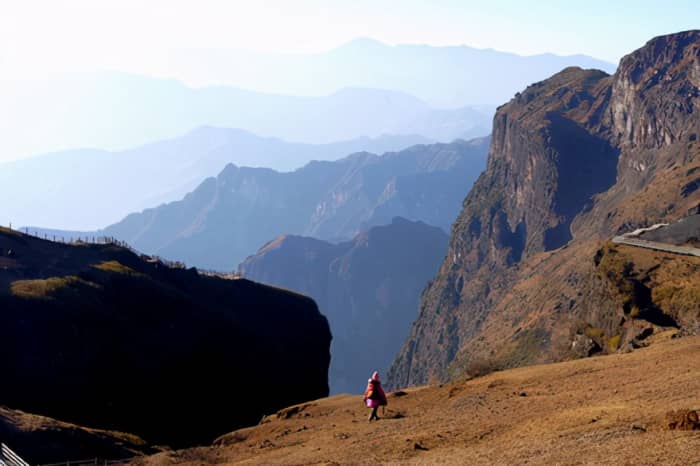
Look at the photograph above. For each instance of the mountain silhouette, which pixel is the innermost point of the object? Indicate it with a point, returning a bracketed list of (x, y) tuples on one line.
[(87, 189), (227, 218), (368, 288), (442, 76), (117, 111)]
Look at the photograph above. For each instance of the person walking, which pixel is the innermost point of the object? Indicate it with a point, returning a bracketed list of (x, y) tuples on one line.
[(374, 395)]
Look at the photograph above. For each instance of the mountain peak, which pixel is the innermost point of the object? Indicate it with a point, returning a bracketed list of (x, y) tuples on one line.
[(363, 43), (660, 82), (672, 53)]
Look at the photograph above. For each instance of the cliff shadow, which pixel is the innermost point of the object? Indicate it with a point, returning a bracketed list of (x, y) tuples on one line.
[(586, 166)]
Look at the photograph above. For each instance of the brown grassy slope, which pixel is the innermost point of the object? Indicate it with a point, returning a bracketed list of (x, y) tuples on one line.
[(603, 410), (554, 300)]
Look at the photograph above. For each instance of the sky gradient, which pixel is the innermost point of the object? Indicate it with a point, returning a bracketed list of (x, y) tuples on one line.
[(131, 35)]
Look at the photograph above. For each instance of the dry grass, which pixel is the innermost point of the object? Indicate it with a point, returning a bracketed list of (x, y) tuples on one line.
[(115, 267), (42, 289), (603, 410)]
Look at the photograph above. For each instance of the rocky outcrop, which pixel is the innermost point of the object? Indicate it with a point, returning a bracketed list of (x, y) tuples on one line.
[(369, 289), (683, 419), (573, 161), (229, 217), (97, 336)]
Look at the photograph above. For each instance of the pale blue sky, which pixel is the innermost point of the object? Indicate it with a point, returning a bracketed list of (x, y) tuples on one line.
[(67, 35)]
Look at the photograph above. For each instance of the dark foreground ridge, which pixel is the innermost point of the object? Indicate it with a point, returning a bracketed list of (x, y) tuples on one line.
[(95, 335)]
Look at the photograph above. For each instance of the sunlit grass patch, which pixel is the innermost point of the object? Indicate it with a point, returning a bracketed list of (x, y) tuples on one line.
[(115, 267), (39, 289)]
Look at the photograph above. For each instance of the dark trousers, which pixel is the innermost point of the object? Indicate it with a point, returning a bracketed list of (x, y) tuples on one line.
[(374, 413)]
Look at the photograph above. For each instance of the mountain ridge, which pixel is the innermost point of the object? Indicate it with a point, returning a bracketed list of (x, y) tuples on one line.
[(337, 68), (158, 172), (326, 200), (69, 112)]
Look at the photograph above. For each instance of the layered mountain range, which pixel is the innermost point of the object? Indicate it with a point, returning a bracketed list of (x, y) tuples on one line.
[(229, 217), (90, 188), (368, 288), (362, 89), (443, 76), (97, 336), (574, 160), (117, 111)]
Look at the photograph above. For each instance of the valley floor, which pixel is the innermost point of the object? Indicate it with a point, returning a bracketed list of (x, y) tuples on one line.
[(602, 410)]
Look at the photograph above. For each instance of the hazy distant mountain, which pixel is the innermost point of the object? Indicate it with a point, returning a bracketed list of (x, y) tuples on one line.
[(117, 111), (445, 77), (368, 288), (87, 189), (229, 217)]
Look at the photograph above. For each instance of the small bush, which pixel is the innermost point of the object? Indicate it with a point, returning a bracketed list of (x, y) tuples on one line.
[(634, 312), (614, 343), (481, 366), (593, 332)]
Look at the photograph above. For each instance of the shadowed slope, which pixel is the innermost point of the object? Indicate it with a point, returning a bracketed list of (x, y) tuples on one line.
[(94, 335), (369, 289)]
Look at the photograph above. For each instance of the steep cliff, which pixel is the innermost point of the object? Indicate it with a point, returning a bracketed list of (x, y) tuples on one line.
[(574, 160), (97, 336), (369, 289)]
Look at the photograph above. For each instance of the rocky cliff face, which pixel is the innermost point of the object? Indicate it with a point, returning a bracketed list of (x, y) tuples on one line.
[(574, 160), (95, 335), (369, 289), (231, 216)]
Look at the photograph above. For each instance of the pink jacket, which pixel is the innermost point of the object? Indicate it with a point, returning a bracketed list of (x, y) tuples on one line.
[(374, 394)]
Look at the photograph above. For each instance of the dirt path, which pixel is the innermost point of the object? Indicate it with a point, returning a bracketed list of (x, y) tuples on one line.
[(603, 410)]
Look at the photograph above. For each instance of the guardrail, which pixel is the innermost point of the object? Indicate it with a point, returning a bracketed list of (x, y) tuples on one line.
[(9, 457), (640, 243)]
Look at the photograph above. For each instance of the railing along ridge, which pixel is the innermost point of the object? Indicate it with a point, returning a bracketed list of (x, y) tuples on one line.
[(9, 457), (109, 240)]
